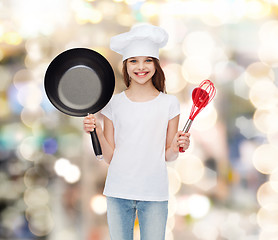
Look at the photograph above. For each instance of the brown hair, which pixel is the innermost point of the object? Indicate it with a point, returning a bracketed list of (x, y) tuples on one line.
[(158, 78)]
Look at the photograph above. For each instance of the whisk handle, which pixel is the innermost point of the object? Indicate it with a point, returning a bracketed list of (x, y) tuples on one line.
[(186, 129)]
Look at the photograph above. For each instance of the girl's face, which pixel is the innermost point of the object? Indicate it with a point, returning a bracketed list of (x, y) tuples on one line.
[(140, 69)]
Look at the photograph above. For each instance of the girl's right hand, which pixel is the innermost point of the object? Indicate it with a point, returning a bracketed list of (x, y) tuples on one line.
[(90, 123)]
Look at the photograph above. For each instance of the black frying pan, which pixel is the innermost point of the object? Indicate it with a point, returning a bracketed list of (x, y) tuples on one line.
[(80, 81)]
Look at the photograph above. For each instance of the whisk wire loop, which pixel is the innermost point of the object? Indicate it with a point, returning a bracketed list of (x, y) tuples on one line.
[(201, 96)]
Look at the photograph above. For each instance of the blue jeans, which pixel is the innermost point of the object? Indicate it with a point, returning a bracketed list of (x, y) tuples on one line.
[(152, 216)]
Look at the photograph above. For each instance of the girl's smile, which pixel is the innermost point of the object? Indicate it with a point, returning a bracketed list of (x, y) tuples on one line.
[(141, 74), (140, 69)]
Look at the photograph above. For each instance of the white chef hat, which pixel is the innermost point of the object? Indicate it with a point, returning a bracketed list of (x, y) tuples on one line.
[(141, 40)]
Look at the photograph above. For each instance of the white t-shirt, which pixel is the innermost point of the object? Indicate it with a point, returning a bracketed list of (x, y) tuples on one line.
[(138, 169)]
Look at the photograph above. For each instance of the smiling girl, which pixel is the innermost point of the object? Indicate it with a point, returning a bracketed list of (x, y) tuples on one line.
[(140, 133)]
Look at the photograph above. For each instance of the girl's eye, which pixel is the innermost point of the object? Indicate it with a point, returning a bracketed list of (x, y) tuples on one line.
[(132, 61), (149, 60)]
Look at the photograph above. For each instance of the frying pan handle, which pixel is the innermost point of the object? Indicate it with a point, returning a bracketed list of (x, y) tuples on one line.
[(186, 129), (96, 145)]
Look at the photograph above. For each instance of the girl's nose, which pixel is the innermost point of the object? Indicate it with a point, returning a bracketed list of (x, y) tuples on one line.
[(141, 65)]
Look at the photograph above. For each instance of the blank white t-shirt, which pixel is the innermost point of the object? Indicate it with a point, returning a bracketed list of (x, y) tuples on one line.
[(138, 169)]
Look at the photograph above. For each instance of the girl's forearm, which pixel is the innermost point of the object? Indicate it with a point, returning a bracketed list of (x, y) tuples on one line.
[(171, 154), (107, 149)]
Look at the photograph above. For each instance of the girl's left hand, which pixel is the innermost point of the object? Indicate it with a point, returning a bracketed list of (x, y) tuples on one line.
[(181, 139)]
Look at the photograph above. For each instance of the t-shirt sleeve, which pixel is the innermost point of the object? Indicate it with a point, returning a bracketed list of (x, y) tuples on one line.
[(107, 110), (174, 107)]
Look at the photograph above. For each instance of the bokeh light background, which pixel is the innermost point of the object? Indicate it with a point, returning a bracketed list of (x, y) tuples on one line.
[(224, 187)]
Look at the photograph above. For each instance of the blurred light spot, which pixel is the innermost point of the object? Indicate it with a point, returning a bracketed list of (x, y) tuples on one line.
[(29, 149), (268, 51), (35, 177), (5, 76), (190, 168), (15, 168), (50, 146), (182, 205), (66, 233), (37, 48), (40, 220), (2, 54), (30, 96), (258, 71), (206, 119), (34, 18), (174, 181), (169, 234), (184, 8), (209, 180), (69, 144), (12, 38), (227, 71), (257, 9), (174, 79), (22, 77), (35, 197), (260, 90), (240, 88), (221, 12), (10, 217), (98, 204), (86, 13), (172, 206), (268, 31), (150, 9), (269, 54), (267, 219), (9, 191), (11, 135), (266, 120), (269, 235), (198, 44), (231, 226), (70, 172), (170, 224), (196, 69), (205, 230), (245, 126), (131, 2), (60, 165), (211, 20), (265, 158), (125, 19), (108, 9), (32, 116), (4, 107), (198, 205), (273, 180), (267, 197), (272, 136), (73, 174), (15, 106)]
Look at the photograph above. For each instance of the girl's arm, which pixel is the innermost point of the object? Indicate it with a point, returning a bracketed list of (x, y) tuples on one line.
[(175, 139), (105, 135)]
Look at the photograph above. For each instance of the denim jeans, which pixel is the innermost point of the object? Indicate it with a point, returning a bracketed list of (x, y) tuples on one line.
[(152, 216)]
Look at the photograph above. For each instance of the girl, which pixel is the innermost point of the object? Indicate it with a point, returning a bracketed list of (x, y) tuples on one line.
[(140, 132)]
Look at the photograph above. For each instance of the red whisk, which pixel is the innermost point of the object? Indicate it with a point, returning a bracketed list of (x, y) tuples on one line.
[(201, 96)]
